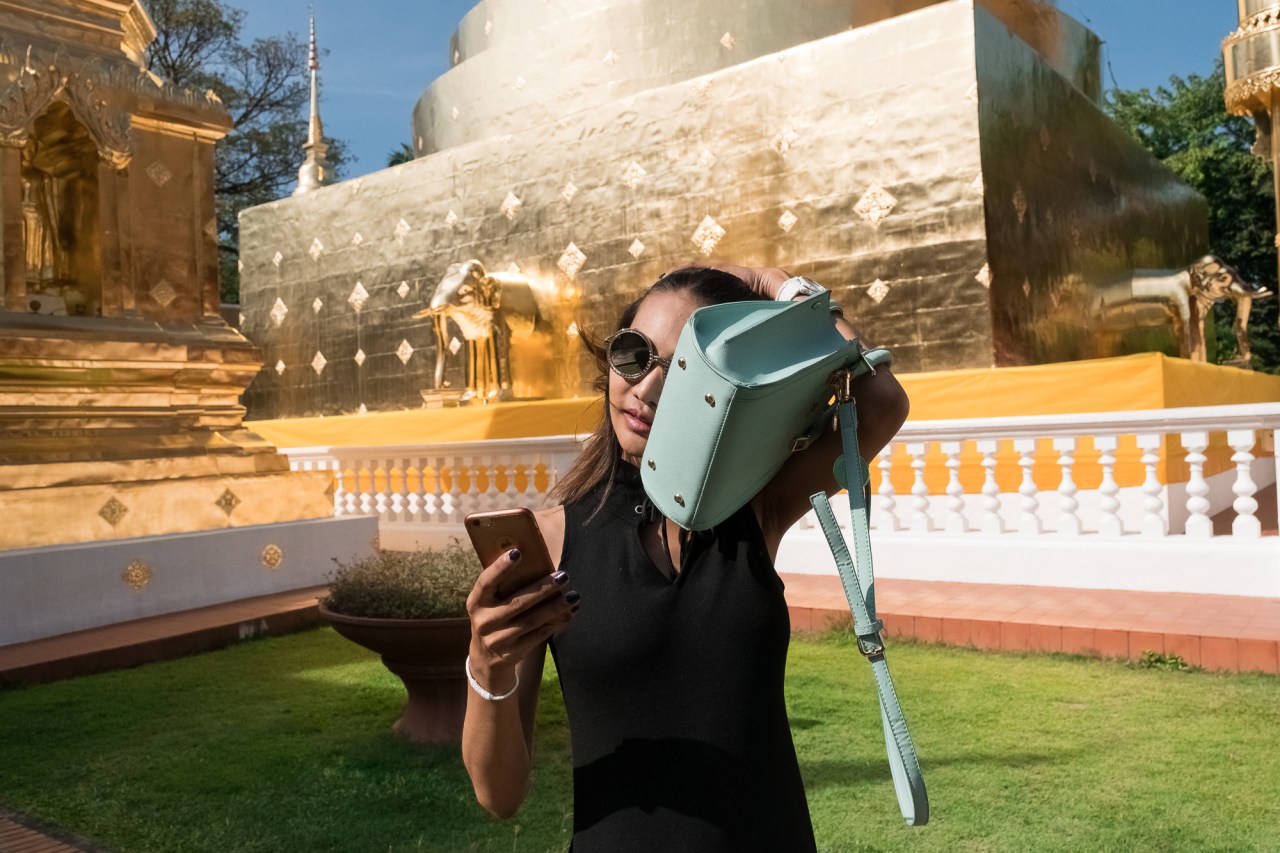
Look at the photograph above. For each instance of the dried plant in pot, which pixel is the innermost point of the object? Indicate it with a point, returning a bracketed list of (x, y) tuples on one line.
[(410, 607)]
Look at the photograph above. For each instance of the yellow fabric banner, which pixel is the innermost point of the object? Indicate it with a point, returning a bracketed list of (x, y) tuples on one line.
[(1132, 383)]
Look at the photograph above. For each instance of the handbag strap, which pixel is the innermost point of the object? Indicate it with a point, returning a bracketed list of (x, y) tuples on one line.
[(859, 588)]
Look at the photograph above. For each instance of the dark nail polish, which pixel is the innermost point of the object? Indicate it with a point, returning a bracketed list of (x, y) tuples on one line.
[(513, 554), (572, 596), (561, 578)]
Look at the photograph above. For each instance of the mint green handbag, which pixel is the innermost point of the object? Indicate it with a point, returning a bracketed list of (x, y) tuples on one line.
[(751, 383)]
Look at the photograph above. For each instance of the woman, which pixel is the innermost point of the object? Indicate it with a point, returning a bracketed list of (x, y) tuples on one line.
[(670, 647)]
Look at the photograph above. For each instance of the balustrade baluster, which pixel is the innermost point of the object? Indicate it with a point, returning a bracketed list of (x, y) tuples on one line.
[(413, 496), (381, 502), (511, 497), (531, 481), (1029, 518), (991, 523), (455, 510), (1068, 520), (432, 501), (1153, 521), (885, 517), (1246, 524), (920, 520), (1199, 524), (1109, 523), (340, 492), (955, 521), (368, 472), (476, 499), (398, 503)]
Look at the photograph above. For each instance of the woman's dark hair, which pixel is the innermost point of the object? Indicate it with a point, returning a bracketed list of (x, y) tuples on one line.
[(601, 456)]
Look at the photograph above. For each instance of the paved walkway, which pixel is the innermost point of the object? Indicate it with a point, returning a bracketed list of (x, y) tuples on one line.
[(1219, 632), (22, 835)]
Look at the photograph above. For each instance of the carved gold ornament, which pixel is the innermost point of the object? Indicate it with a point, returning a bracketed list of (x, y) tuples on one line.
[(227, 502), (137, 574), (359, 296), (787, 221), (878, 291), (272, 557), (510, 206), (163, 293), (984, 276), (159, 173), (404, 352), (785, 139), (1020, 204), (707, 235), (633, 175), (571, 260), (113, 511), (875, 205)]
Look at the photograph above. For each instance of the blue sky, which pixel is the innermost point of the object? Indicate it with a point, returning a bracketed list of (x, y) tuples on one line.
[(383, 53)]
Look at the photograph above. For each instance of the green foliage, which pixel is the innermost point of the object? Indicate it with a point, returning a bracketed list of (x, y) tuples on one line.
[(405, 584), (1155, 660), (1187, 127), (264, 85), (402, 154), (283, 744)]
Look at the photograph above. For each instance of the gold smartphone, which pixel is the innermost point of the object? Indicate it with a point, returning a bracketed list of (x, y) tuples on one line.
[(496, 532)]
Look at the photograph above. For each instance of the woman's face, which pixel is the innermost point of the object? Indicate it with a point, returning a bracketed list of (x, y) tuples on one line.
[(661, 316)]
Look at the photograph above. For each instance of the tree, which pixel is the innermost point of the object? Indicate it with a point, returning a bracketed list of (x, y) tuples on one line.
[(1186, 125), (264, 85), (402, 154)]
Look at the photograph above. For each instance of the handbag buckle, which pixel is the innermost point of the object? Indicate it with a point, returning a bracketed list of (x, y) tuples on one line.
[(869, 648), (800, 442), (843, 381), (870, 641)]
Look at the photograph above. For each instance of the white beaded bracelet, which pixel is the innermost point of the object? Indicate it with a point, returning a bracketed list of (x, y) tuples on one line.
[(485, 694)]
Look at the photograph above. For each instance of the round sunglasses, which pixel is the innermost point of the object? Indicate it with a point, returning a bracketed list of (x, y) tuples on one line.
[(632, 355)]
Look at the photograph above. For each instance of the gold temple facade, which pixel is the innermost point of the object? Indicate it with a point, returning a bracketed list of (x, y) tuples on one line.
[(944, 167), (119, 381)]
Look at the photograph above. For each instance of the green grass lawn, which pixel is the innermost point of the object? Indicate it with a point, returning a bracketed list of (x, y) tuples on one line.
[(285, 745)]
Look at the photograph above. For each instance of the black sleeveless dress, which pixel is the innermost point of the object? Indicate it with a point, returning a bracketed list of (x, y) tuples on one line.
[(673, 688)]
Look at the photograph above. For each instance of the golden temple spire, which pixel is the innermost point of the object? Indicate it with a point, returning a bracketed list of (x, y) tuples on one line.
[(314, 172)]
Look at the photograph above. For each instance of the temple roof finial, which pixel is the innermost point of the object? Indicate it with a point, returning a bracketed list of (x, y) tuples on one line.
[(315, 170)]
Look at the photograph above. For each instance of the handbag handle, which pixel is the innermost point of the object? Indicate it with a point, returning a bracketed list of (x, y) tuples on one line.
[(858, 581)]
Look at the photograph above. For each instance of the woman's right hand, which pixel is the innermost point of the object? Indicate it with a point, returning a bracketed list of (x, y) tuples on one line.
[(505, 631)]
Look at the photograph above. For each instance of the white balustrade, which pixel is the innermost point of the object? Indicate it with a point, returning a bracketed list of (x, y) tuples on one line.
[(1157, 477)]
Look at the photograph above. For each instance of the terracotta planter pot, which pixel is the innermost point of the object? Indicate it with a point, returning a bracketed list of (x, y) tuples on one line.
[(427, 655)]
